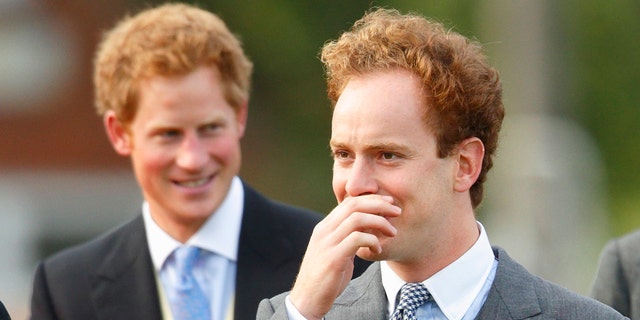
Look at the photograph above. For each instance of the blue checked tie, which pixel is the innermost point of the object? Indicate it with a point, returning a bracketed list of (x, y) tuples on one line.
[(412, 296), (191, 303)]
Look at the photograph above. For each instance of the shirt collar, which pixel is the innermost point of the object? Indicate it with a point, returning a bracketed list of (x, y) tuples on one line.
[(456, 286), (219, 234)]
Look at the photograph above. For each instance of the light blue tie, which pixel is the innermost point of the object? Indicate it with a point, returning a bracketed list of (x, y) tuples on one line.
[(190, 302), (412, 296)]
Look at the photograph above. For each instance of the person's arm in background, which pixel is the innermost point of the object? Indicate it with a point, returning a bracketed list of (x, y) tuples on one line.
[(611, 285)]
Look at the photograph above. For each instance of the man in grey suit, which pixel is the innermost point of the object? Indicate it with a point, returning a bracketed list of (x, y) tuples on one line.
[(617, 282), (172, 86), (417, 112)]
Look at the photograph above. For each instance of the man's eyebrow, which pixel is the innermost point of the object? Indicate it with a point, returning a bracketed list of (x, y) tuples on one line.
[(373, 146), (386, 146), (335, 144)]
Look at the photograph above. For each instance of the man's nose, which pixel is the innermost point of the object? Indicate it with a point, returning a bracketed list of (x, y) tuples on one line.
[(361, 179), (192, 154)]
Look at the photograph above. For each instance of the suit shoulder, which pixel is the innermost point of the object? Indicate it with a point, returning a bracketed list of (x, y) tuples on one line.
[(524, 294), (571, 305), (621, 255), (86, 256), (631, 238), (626, 244)]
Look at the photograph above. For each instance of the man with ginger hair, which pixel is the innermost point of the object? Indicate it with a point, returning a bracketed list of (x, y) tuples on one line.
[(416, 115), (172, 86)]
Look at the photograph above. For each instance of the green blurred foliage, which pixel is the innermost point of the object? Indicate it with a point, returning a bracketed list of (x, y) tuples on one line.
[(603, 49), (285, 151)]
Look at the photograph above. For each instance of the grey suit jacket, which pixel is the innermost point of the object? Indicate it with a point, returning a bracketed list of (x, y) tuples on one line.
[(112, 276), (617, 282), (515, 294)]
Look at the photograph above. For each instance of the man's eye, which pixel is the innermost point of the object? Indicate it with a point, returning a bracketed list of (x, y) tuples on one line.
[(388, 156), (340, 154), (212, 127), (170, 133)]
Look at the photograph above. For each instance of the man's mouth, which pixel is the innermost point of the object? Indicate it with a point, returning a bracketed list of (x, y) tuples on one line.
[(193, 183)]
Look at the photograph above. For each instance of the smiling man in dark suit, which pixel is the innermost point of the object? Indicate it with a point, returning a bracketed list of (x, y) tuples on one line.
[(172, 85), (417, 112)]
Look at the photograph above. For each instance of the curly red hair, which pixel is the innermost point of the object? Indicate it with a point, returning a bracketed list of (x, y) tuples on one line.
[(464, 93), (169, 40)]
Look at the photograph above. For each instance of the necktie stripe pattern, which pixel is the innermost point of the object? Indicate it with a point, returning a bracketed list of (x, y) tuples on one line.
[(191, 303), (412, 296)]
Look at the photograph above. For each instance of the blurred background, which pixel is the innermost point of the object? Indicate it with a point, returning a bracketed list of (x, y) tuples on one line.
[(563, 182)]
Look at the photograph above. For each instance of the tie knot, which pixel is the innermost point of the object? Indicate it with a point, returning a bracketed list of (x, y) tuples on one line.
[(185, 258), (413, 295)]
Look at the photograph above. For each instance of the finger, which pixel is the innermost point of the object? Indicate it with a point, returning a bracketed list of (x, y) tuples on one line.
[(365, 222), (372, 204), (358, 240), (326, 236)]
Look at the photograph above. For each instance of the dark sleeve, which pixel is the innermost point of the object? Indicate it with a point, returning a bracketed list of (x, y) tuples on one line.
[(41, 305), (4, 314), (360, 266), (610, 285)]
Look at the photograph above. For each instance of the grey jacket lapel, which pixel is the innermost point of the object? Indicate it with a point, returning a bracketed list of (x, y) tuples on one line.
[(513, 293), (364, 298), (124, 285)]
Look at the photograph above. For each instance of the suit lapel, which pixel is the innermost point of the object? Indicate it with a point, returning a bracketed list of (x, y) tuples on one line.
[(261, 252), (364, 298), (124, 285), (512, 294)]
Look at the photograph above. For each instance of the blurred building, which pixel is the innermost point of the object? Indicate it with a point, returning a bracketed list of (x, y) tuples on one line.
[(60, 182)]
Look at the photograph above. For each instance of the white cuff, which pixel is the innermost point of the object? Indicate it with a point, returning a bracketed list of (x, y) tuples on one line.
[(292, 311)]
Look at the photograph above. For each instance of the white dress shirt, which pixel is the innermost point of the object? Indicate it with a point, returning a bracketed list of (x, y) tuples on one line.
[(219, 236), (459, 290)]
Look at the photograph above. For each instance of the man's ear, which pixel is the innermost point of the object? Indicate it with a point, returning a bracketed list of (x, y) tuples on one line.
[(470, 154), (241, 117), (118, 135)]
